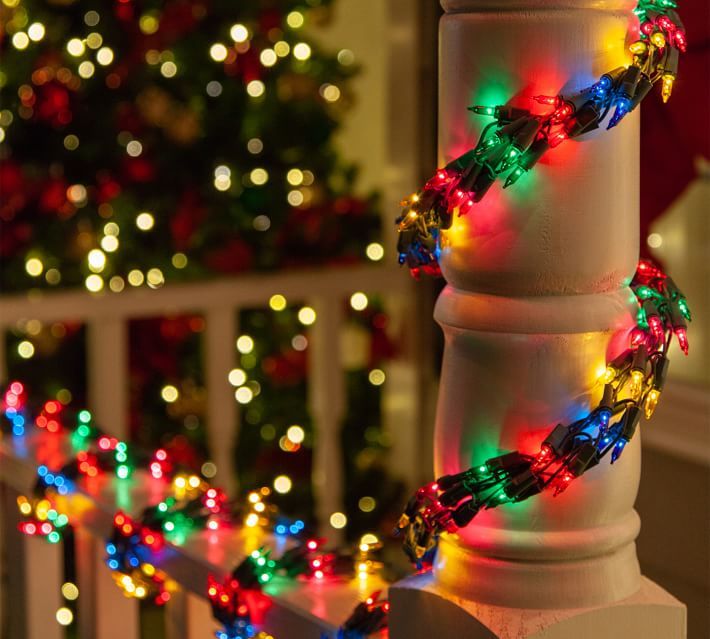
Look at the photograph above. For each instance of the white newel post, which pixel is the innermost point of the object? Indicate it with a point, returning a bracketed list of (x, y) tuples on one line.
[(536, 301)]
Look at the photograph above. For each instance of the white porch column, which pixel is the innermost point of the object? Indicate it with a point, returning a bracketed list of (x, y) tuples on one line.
[(536, 301)]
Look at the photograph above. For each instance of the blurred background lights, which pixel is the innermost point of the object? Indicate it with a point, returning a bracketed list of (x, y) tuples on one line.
[(366, 504), (375, 251), (244, 395), (116, 284), (358, 301), (134, 148), (94, 40), (111, 228), (135, 277), (296, 434), (239, 33), (295, 198), (338, 520), (71, 141), (34, 266), (104, 56), (282, 48), (237, 377), (109, 243), (155, 278), (64, 616), (169, 393), (301, 51), (86, 70), (213, 88), (245, 344), (75, 47), (94, 283), (91, 18), (53, 276), (70, 591), (330, 92), (346, 57), (282, 484), (376, 377), (258, 176), (299, 343), (369, 539), (294, 19), (145, 221), (268, 57), (255, 146), (654, 240), (294, 177), (148, 24), (306, 315), (218, 52), (209, 469), (168, 69), (262, 223), (25, 349), (277, 302), (20, 40), (255, 88), (97, 260), (36, 31), (179, 260)]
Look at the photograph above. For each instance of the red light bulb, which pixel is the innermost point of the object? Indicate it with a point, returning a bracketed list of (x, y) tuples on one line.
[(682, 335), (680, 41)]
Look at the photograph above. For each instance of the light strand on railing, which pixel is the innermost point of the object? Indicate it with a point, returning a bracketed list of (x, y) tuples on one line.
[(632, 384), (516, 140)]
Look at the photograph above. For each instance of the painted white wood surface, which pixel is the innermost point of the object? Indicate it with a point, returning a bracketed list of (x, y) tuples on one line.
[(43, 581)]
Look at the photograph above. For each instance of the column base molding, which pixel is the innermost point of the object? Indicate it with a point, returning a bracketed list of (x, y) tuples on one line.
[(421, 609)]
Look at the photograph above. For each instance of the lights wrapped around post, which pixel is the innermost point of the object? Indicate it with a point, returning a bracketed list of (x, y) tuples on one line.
[(632, 385), (517, 139)]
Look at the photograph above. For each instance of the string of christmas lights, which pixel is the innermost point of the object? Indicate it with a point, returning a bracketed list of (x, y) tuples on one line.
[(632, 385), (134, 548), (517, 139), (239, 602)]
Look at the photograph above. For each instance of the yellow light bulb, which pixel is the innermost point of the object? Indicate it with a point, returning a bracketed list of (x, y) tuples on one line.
[(667, 87), (651, 402), (636, 384), (638, 48), (658, 40), (609, 375)]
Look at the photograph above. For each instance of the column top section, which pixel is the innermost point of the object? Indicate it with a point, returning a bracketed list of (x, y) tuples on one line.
[(475, 6)]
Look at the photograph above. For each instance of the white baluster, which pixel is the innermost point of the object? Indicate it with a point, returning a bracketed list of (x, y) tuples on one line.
[(43, 581), (85, 554), (222, 413), (326, 400), (12, 572), (176, 616), (107, 347), (200, 622), (116, 616)]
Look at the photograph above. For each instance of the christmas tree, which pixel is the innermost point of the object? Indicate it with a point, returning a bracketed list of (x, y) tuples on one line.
[(149, 143)]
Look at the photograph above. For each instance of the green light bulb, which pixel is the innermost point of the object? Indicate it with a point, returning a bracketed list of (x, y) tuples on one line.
[(684, 308)]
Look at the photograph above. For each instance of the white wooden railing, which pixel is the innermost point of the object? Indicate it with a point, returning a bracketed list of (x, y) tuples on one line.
[(32, 569)]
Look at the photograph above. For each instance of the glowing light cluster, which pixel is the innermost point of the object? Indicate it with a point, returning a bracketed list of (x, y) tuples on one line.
[(631, 385)]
